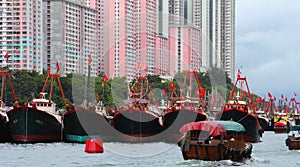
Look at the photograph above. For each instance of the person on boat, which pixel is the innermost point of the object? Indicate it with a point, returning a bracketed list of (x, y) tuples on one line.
[(208, 140), (288, 127)]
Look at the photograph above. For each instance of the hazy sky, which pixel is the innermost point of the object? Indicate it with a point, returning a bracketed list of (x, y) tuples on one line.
[(268, 45)]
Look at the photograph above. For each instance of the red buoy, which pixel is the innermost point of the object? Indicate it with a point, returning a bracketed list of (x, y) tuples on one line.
[(94, 146)]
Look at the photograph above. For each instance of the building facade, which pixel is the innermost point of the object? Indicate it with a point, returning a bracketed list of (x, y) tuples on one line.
[(70, 36), (21, 34), (216, 21), (130, 35), (228, 37), (185, 48)]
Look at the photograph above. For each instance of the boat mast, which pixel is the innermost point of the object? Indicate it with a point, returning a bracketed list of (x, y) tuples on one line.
[(52, 77), (5, 73), (88, 85)]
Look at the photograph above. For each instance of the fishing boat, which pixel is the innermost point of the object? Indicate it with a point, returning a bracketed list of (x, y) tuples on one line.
[(265, 113), (293, 139), (85, 122), (139, 119), (266, 123), (280, 122), (38, 121), (206, 141), (242, 111), (88, 120), (188, 107), (4, 121)]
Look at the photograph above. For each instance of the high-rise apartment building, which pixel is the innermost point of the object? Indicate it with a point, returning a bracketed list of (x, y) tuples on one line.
[(185, 35), (228, 37), (162, 39), (216, 21), (185, 48), (70, 35), (21, 34), (221, 32), (130, 35)]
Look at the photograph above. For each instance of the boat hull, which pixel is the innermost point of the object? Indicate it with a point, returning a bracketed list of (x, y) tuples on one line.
[(249, 121), (81, 124), (4, 129), (280, 129), (30, 125), (266, 125), (175, 119), (136, 126), (293, 143)]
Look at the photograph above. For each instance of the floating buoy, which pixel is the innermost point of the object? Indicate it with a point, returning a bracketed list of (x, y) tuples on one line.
[(94, 146)]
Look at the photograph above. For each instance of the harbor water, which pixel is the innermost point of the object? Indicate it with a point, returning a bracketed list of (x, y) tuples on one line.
[(270, 152)]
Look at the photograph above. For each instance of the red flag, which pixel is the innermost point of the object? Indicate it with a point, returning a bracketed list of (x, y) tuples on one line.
[(239, 73), (286, 99), (244, 92), (172, 86), (274, 98), (98, 96), (269, 94), (146, 69), (257, 99), (6, 56), (295, 94), (164, 91), (57, 67), (90, 59), (105, 79), (282, 97)]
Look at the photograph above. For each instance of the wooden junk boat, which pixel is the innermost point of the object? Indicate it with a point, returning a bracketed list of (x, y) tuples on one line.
[(206, 140), (139, 119), (242, 111), (38, 121), (293, 141), (188, 107), (4, 121)]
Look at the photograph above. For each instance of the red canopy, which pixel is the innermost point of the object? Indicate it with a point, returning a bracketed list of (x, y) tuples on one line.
[(214, 128), (280, 124)]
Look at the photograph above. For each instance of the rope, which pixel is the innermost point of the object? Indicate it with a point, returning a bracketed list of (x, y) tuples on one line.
[(242, 118)]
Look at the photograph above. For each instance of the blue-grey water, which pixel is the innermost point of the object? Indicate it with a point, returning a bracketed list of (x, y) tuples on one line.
[(270, 152)]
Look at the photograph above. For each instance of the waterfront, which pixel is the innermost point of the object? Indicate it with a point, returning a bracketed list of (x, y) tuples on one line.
[(270, 152)]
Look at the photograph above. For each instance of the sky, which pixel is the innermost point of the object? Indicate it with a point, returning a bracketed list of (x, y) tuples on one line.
[(268, 45)]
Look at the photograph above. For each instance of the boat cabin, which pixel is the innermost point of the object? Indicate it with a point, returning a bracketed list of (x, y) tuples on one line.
[(43, 104), (293, 139)]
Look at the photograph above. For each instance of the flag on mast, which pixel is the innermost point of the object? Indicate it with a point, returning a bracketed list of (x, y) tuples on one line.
[(90, 59), (57, 67)]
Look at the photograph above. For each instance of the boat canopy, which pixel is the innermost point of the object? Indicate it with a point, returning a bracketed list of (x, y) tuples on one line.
[(280, 124), (295, 128), (232, 126), (214, 128)]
